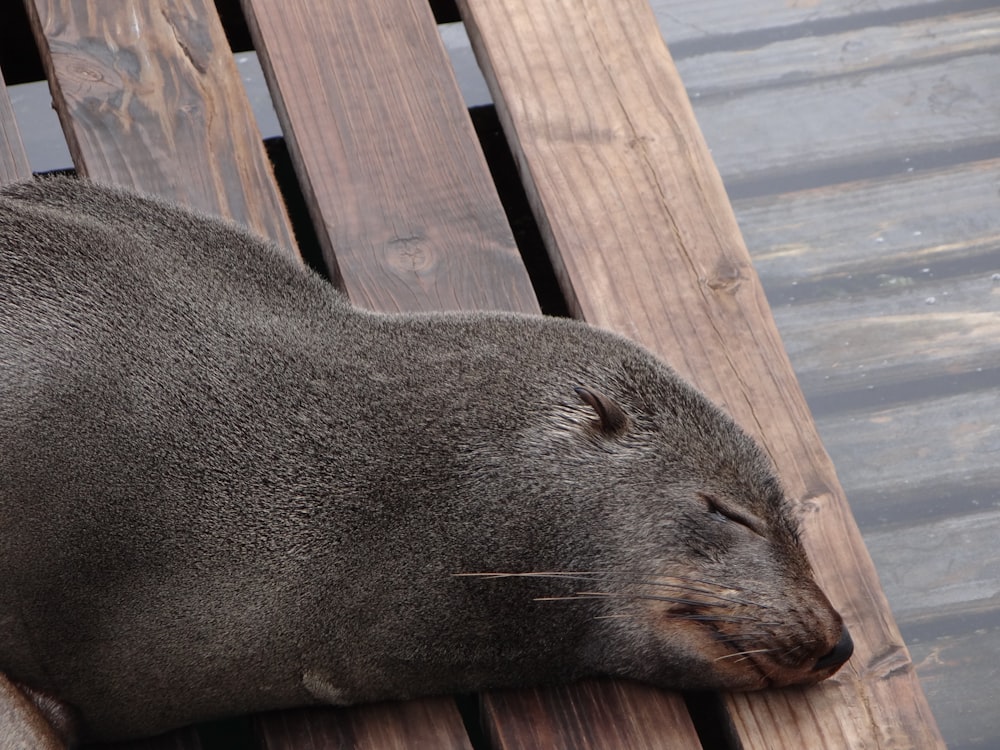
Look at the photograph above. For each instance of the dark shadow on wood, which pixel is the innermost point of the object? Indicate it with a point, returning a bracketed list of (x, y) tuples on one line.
[(712, 722), (529, 241), (295, 205)]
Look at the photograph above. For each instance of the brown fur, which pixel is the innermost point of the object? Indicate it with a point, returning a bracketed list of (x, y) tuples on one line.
[(225, 490)]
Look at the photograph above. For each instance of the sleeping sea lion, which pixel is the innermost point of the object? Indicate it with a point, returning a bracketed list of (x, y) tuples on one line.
[(224, 489)]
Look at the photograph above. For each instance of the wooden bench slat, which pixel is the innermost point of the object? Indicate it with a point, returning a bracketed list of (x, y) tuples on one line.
[(399, 191), (13, 161), (636, 216), (381, 726), (149, 96), (589, 715)]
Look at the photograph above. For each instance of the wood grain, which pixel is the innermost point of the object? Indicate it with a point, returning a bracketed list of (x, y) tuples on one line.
[(386, 155), (847, 54), (916, 461), (149, 96), (636, 218), (415, 725), (591, 715), (960, 670), (850, 232), (13, 161), (685, 23), (890, 114)]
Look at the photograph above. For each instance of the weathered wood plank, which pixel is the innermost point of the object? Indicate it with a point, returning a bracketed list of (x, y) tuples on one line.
[(893, 114), (149, 96), (689, 21), (13, 161), (380, 726), (933, 569), (907, 461), (925, 329), (859, 229), (960, 672), (591, 715), (636, 216), (848, 53), (386, 155), (883, 283)]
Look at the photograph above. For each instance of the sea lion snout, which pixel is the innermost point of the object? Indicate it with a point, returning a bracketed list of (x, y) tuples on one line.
[(837, 656)]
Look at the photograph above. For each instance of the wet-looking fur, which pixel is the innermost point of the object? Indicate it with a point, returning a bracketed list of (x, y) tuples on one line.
[(224, 489)]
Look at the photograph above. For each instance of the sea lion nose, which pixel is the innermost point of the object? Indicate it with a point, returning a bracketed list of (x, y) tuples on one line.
[(838, 654)]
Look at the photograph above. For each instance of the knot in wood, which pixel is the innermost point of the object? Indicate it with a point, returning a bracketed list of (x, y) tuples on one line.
[(727, 277), (409, 254)]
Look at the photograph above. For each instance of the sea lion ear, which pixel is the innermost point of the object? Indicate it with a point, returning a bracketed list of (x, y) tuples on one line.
[(611, 418)]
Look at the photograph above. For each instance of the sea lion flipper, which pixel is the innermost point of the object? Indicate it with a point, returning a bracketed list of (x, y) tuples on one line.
[(31, 720), (320, 687)]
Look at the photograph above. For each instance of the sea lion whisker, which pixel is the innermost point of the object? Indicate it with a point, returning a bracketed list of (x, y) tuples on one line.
[(744, 655), (632, 578), (568, 575), (573, 597)]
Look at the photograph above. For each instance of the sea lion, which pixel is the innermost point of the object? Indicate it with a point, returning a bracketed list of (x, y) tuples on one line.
[(224, 489)]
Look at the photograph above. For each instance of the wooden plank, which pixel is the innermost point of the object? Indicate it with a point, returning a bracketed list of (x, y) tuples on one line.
[(960, 672), (636, 216), (861, 229), (149, 96), (13, 160), (924, 329), (904, 457), (852, 121), (716, 22), (590, 715), (386, 155), (850, 52), (941, 568), (378, 726)]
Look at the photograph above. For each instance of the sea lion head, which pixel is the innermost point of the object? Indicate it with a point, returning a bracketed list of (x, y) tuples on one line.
[(695, 576)]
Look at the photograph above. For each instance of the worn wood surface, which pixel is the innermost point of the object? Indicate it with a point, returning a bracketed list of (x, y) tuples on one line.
[(883, 281), (964, 104), (693, 25), (13, 160), (592, 715), (414, 725), (149, 96), (398, 188), (635, 214), (723, 72)]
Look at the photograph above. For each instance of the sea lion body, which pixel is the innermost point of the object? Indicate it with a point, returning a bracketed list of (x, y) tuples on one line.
[(224, 489)]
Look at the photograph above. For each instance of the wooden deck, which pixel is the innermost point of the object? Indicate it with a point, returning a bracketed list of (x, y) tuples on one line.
[(859, 143)]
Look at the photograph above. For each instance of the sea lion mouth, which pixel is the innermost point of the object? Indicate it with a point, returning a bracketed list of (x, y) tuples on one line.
[(772, 663), (743, 645)]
